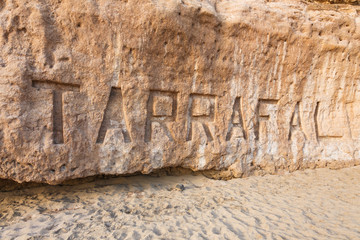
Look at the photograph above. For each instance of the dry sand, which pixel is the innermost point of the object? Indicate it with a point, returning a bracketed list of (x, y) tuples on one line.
[(311, 204)]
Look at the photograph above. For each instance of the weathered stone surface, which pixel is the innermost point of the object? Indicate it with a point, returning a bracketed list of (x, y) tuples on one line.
[(117, 87)]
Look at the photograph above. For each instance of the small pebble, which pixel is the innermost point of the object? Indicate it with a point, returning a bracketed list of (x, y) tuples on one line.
[(180, 187)]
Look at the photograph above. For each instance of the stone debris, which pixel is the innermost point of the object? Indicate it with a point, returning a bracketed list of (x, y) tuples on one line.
[(180, 187)]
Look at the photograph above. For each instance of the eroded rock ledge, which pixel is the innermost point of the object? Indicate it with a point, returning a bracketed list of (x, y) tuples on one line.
[(118, 87)]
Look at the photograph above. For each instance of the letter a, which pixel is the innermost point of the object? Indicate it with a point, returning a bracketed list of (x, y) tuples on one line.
[(114, 116), (236, 120)]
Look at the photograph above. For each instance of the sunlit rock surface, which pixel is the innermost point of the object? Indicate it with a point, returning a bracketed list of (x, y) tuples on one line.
[(118, 87)]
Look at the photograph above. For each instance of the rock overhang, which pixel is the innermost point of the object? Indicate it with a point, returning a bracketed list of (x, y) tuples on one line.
[(117, 87)]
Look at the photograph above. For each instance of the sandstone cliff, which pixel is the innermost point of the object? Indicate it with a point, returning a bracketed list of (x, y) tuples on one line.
[(125, 86)]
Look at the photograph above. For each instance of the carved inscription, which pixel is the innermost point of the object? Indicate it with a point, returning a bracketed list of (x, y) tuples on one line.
[(114, 116), (264, 108), (320, 135), (201, 109), (295, 121), (58, 90), (161, 108), (352, 115), (236, 122)]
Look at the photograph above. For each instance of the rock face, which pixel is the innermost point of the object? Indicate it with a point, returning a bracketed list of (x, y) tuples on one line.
[(125, 86)]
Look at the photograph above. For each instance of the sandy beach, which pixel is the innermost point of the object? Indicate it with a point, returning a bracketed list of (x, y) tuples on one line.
[(311, 204)]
